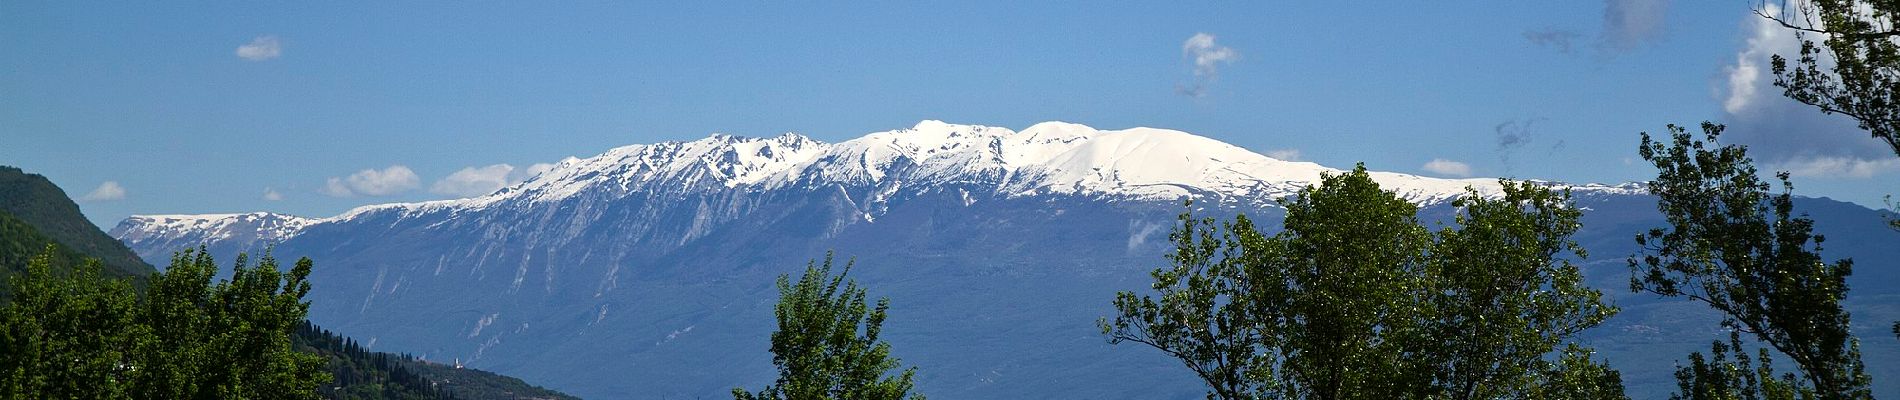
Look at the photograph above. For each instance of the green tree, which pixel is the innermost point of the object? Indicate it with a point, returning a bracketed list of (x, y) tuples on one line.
[(70, 336), (1356, 299), (1855, 67), (1211, 312), (1577, 376), (1720, 377), (1501, 293), (827, 345), (1733, 246), (1352, 259), (1853, 71), (82, 335), (230, 340)]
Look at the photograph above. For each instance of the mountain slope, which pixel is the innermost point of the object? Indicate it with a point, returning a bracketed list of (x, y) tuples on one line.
[(647, 271), (35, 201), (222, 233), (1047, 159), (19, 243), (361, 374)]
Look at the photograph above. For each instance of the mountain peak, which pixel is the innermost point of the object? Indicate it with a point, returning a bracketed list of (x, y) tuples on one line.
[(1049, 158)]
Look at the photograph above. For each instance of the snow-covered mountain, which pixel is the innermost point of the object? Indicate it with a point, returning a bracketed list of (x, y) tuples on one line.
[(647, 271), (231, 233), (1050, 158)]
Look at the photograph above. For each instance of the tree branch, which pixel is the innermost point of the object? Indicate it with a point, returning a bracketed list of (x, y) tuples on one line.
[(1854, 36)]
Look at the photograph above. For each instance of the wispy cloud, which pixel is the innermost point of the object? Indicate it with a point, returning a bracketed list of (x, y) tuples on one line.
[(473, 181), (1285, 154), (477, 181), (1559, 39), (271, 194), (373, 182), (1206, 57), (532, 170), (260, 49), (1628, 24), (1448, 168), (108, 191), (1838, 167), (1139, 232), (1515, 135)]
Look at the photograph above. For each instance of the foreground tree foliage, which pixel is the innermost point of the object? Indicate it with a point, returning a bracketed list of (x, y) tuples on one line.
[(1862, 44), (1733, 246), (1351, 262), (827, 345), (1720, 377), (1854, 68), (1501, 294), (82, 336), (73, 336), (1357, 299)]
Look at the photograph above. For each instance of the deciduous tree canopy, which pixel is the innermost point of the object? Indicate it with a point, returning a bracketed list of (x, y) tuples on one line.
[(1356, 298), (827, 345)]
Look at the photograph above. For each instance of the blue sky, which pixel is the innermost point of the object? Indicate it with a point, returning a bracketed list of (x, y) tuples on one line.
[(204, 107)]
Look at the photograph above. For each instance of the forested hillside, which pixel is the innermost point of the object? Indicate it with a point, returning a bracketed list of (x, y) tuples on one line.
[(357, 372), (19, 242), (362, 374), (34, 200)]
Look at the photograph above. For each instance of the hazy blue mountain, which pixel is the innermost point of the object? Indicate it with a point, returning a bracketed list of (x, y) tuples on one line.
[(647, 271)]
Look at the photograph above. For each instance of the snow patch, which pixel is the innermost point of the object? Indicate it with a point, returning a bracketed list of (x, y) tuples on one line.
[(484, 322)]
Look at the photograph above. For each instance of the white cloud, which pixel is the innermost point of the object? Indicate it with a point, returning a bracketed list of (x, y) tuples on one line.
[(1285, 154), (271, 194), (1766, 38), (1838, 167), (474, 181), (260, 49), (108, 191), (477, 181), (1206, 56), (335, 188), (1783, 134), (533, 170), (373, 182), (1448, 167)]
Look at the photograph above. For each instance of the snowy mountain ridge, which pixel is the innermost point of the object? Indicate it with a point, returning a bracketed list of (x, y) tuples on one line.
[(186, 231), (1049, 158), (999, 249)]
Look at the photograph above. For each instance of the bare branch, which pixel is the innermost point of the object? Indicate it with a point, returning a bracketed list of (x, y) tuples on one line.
[(1854, 36)]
